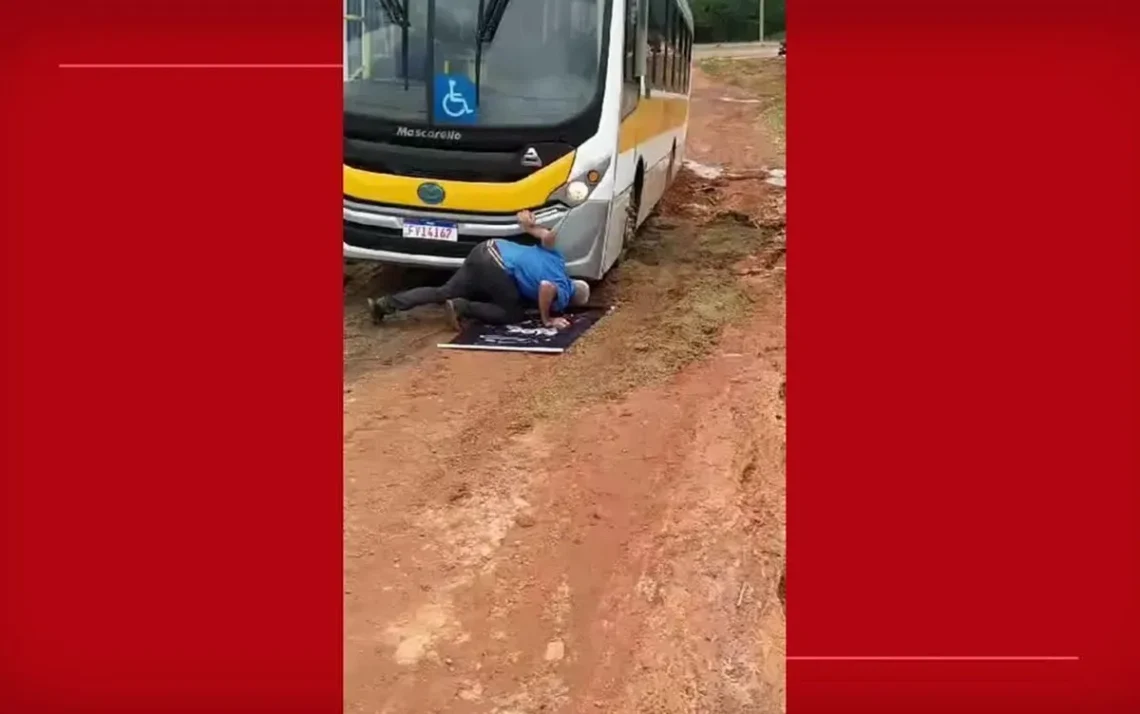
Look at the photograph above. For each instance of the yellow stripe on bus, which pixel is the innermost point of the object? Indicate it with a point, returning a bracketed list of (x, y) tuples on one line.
[(531, 192), (653, 116)]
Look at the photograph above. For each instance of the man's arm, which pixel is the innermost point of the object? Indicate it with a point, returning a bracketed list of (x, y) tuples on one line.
[(544, 235), (547, 292)]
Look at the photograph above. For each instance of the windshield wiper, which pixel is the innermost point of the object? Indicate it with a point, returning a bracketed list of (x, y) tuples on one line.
[(490, 18), (398, 15), (490, 15)]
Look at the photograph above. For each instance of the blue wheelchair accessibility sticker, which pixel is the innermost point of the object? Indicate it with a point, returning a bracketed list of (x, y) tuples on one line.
[(455, 100)]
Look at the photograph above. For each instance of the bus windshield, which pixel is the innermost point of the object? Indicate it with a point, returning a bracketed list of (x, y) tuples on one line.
[(527, 62)]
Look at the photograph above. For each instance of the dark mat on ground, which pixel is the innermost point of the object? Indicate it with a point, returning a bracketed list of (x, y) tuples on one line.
[(528, 336)]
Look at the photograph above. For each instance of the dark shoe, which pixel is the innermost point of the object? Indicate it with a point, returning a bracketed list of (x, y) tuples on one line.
[(379, 308), (453, 315)]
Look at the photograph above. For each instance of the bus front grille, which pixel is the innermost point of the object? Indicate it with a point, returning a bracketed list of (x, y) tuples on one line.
[(448, 164), (388, 239)]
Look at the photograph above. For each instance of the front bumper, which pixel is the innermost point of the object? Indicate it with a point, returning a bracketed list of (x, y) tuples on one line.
[(374, 232)]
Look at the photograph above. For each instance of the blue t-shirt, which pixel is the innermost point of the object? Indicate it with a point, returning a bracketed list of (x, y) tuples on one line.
[(531, 265)]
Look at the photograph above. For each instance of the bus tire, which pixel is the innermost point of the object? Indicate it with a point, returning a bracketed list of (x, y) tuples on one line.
[(632, 211)]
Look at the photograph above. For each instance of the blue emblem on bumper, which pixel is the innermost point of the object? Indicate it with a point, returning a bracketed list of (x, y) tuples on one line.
[(430, 193)]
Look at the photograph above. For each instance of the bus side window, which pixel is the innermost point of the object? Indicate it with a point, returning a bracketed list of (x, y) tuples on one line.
[(670, 45), (630, 40), (683, 79), (631, 86), (682, 28), (678, 56), (657, 37), (682, 76), (674, 45), (689, 69)]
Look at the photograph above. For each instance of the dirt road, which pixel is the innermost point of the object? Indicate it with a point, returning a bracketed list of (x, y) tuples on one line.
[(601, 531)]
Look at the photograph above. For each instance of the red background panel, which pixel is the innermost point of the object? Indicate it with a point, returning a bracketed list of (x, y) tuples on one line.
[(172, 360), (962, 307)]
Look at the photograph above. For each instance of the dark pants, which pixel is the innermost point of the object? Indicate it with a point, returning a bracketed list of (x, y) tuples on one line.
[(480, 289)]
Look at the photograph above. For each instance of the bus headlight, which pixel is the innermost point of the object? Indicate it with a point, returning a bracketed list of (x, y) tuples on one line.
[(577, 190)]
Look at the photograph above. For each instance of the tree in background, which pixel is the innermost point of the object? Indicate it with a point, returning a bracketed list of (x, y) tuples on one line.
[(736, 20)]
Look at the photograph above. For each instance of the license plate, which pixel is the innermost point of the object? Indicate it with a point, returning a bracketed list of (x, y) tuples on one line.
[(431, 230)]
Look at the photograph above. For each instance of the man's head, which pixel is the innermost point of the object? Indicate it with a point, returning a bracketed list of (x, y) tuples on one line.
[(581, 294)]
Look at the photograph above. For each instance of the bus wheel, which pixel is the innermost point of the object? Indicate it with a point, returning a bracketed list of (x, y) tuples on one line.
[(630, 229)]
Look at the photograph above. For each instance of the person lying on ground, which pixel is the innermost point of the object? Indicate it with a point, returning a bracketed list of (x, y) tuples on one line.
[(497, 281)]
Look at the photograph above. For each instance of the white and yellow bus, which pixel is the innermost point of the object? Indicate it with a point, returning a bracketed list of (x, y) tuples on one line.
[(460, 113)]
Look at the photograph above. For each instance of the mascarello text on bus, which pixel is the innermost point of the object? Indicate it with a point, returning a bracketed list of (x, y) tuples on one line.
[(460, 113)]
